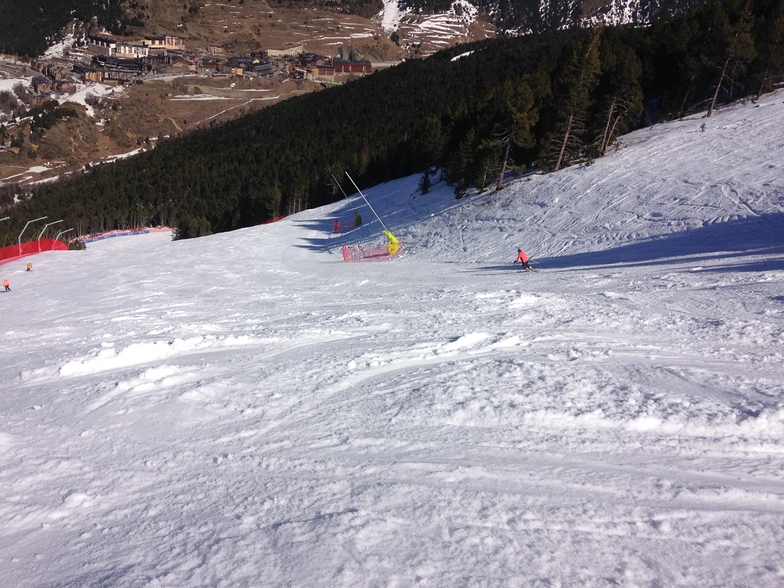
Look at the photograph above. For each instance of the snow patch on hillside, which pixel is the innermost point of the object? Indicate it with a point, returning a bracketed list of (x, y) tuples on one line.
[(390, 16), (60, 48)]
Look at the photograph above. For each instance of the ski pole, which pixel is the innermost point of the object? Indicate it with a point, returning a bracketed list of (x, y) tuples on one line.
[(366, 202), (339, 186)]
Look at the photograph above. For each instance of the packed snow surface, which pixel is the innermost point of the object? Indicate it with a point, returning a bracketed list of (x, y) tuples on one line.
[(249, 410)]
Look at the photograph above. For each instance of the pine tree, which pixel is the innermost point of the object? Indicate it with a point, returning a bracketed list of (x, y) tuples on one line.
[(517, 117), (622, 95), (739, 52), (573, 94), (429, 143), (771, 46)]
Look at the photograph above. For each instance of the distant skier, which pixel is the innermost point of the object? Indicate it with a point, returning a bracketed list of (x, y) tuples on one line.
[(29, 267), (357, 219), (523, 259), (7, 285), (336, 226)]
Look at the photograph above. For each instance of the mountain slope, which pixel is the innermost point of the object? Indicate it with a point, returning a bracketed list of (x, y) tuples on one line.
[(462, 111), (637, 205), (527, 16), (29, 27), (419, 27), (248, 409)]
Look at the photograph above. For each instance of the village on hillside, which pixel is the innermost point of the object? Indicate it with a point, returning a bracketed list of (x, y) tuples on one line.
[(106, 60), (64, 72), (126, 61)]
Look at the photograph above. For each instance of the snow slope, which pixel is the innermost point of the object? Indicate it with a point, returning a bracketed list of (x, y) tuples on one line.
[(248, 410)]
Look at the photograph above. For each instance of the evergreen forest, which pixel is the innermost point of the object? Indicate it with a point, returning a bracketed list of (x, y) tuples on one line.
[(29, 27), (470, 114)]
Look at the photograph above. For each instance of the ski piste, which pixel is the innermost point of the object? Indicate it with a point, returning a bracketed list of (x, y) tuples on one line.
[(346, 226), (354, 253), (369, 253)]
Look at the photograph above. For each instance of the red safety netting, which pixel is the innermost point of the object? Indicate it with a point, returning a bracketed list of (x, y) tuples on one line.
[(369, 253), (344, 226), (11, 252)]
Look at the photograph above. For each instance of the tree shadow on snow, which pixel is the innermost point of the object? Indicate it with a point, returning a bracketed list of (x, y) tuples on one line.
[(733, 242), (329, 239), (323, 225)]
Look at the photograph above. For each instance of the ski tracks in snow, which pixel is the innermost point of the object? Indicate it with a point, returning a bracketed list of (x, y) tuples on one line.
[(245, 406)]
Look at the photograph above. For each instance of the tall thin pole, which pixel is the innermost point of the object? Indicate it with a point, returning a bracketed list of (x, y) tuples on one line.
[(339, 186), (43, 230), (62, 232), (351, 202), (48, 225), (23, 230), (368, 203)]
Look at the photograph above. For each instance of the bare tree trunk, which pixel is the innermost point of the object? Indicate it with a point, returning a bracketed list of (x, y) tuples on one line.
[(612, 132), (718, 88), (766, 77), (605, 137), (500, 183), (564, 143), (763, 84)]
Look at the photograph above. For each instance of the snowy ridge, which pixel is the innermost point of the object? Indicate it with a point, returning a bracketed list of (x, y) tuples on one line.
[(435, 31), (247, 409), (454, 23), (617, 12)]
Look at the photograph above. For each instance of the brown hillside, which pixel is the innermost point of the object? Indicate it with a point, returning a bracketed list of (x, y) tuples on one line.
[(179, 101)]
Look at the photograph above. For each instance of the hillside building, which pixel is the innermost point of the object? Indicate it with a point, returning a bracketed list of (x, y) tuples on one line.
[(131, 50), (101, 45), (289, 52), (328, 69), (164, 43), (109, 47), (355, 67)]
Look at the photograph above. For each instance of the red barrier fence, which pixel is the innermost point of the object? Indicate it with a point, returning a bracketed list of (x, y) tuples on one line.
[(11, 252), (368, 253), (345, 226)]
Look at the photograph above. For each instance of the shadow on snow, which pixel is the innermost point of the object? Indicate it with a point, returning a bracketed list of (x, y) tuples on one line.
[(737, 243), (369, 230)]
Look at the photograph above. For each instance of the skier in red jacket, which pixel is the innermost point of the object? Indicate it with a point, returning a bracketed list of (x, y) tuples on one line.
[(523, 259)]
